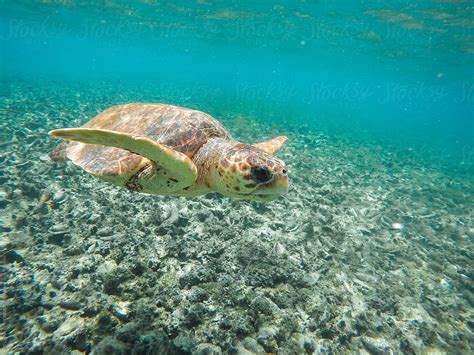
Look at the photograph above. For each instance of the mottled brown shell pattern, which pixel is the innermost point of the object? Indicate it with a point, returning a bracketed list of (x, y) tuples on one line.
[(182, 129)]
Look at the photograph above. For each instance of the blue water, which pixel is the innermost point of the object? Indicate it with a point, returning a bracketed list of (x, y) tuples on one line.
[(400, 71), (371, 249)]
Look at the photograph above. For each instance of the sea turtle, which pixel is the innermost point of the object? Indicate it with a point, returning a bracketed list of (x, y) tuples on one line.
[(174, 151)]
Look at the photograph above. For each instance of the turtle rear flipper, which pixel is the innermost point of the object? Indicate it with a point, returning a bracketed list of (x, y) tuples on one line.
[(181, 171), (273, 145)]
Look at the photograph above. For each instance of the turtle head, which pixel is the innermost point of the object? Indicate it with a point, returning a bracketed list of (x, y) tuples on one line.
[(248, 172)]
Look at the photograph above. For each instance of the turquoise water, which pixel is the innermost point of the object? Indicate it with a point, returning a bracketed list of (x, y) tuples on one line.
[(403, 71), (377, 99)]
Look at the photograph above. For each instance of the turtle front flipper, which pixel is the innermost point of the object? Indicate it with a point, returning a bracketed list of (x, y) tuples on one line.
[(273, 145), (174, 170)]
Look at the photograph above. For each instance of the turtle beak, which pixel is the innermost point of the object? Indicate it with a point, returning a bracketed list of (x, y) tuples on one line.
[(277, 186), (281, 182)]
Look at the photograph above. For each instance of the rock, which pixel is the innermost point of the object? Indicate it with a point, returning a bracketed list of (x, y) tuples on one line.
[(266, 338), (309, 346), (207, 349), (242, 326), (84, 265), (303, 344), (109, 346), (73, 250), (106, 267), (263, 305), (5, 244), (198, 294), (47, 324), (70, 304), (59, 197), (250, 346), (47, 266), (71, 332), (114, 279), (12, 256), (106, 231), (4, 201), (184, 343), (153, 343), (194, 315), (323, 346), (89, 311), (5, 229), (195, 276), (137, 268), (106, 322), (29, 190), (377, 345), (58, 234), (127, 333), (59, 228)]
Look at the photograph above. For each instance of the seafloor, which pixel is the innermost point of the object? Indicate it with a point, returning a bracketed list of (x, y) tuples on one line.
[(92, 267)]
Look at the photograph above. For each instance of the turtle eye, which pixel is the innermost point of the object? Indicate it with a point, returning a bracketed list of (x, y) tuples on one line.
[(261, 174)]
